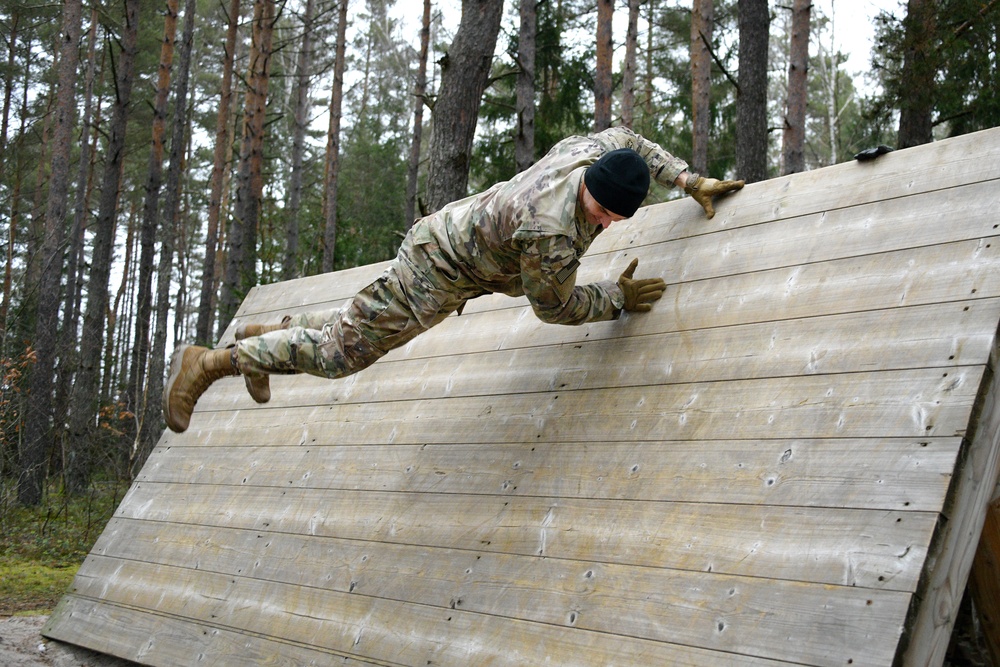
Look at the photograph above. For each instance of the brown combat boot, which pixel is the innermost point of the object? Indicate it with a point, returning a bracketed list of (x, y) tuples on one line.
[(258, 384), (192, 370)]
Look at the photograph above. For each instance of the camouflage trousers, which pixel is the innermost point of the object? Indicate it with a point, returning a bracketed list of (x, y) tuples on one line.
[(418, 290)]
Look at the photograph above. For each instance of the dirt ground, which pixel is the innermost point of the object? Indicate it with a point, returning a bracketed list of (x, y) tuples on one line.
[(22, 645)]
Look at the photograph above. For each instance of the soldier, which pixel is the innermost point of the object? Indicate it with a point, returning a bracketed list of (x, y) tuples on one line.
[(521, 237)]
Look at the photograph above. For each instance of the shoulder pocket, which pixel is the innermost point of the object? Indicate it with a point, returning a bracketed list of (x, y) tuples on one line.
[(422, 233)]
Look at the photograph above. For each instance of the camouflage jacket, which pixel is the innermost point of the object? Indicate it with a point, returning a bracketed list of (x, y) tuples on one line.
[(526, 235)]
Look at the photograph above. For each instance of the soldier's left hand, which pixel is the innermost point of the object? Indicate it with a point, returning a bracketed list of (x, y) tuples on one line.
[(704, 189), (640, 293)]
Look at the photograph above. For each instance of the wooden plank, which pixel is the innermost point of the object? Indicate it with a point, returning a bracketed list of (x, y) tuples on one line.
[(955, 543), (755, 245), (874, 549), (734, 250), (913, 172), (451, 365), (383, 631), (694, 306), (345, 284), (756, 615), (891, 474), (888, 182), (952, 272), (909, 404), (152, 638)]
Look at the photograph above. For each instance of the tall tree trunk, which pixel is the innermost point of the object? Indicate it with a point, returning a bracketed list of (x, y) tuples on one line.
[(332, 172), (419, 90), (34, 447), (90, 124), (524, 141), (303, 66), (181, 323), (206, 301), (919, 68), (241, 265), (67, 345), (86, 393), (36, 221), (465, 71), (828, 61), (602, 77), (702, 19), (147, 233), (647, 103), (751, 104), (631, 53), (794, 136), (169, 231), (8, 84), (120, 324), (16, 196)]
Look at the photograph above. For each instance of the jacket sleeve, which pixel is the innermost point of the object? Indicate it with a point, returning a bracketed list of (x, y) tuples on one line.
[(664, 168), (548, 275)]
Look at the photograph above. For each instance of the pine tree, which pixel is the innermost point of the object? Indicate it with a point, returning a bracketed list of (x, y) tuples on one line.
[(465, 70), (85, 398), (222, 147), (241, 262), (38, 425), (794, 137), (751, 104), (602, 77), (524, 137), (419, 93), (702, 15)]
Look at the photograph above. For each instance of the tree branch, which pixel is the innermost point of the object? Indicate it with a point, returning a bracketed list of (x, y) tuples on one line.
[(718, 62)]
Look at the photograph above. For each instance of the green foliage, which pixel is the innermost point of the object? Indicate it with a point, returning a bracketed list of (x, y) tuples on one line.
[(28, 587), (13, 387), (42, 547), (563, 75), (836, 128), (371, 197), (665, 117), (376, 133), (965, 45), (969, 84)]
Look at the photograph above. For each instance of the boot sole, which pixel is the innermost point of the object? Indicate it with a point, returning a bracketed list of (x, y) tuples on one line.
[(256, 396)]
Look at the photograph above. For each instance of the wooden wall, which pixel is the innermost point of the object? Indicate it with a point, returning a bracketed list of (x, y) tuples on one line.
[(787, 462)]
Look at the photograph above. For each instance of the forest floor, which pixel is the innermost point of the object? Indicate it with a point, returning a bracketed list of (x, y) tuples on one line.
[(41, 548)]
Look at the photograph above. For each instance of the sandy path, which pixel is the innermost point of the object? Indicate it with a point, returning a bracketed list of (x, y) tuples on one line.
[(22, 645)]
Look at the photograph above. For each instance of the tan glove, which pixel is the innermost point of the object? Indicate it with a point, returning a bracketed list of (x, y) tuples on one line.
[(703, 189), (640, 294)]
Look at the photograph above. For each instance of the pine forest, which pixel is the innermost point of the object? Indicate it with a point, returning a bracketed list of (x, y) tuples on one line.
[(158, 159)]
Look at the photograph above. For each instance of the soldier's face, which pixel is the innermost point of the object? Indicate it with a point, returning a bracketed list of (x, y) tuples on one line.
[(593, 212)]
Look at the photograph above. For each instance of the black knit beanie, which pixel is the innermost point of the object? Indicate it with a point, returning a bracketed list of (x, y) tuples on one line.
[(619, 181)]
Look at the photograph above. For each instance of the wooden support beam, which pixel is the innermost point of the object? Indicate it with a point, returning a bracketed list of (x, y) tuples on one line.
[(984, 582)]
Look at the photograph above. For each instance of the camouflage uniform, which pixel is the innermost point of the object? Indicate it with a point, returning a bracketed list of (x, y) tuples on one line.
[(521, 237)]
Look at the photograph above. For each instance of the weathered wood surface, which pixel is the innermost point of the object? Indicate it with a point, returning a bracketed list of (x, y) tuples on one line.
[(787, 462)]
